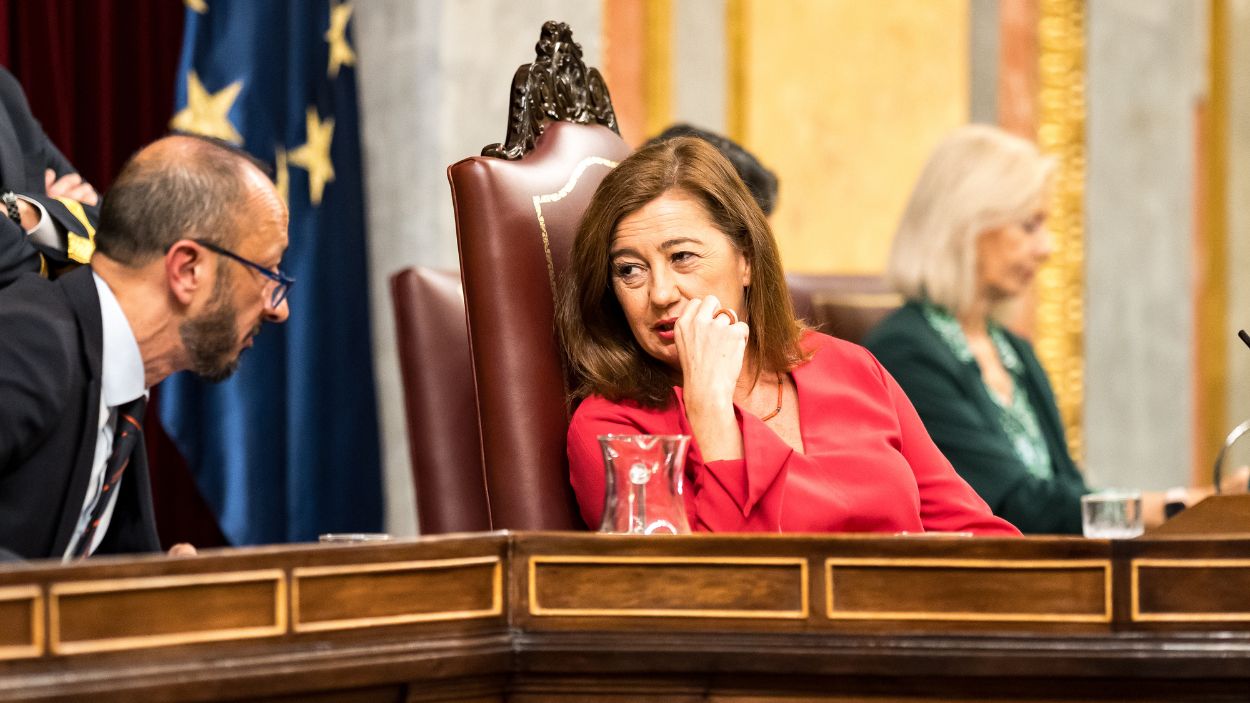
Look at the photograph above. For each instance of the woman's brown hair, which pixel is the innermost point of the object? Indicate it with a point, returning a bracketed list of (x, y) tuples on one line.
[(603, 355)]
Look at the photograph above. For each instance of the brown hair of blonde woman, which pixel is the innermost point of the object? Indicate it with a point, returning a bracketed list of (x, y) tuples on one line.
[(603, 355)]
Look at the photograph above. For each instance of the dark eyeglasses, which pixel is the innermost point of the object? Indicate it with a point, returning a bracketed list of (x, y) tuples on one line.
[(284, 281)]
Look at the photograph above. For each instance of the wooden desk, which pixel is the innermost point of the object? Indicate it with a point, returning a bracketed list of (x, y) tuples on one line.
[(579, 617)]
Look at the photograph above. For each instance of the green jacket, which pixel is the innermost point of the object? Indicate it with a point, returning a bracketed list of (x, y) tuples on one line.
[(964, 422)]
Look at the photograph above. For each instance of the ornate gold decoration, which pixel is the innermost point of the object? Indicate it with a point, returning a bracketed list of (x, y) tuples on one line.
[(341, 53), (208, 113), (1061, 135), (314, 155)]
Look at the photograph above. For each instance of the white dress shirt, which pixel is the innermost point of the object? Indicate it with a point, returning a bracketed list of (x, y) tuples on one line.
[(121, 381)]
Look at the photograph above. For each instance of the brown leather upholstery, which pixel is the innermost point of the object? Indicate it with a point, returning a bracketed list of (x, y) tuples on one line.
[(443, 438), (842, 306), (515, 221)]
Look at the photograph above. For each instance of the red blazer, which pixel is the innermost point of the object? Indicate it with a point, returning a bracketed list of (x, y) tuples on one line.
[(868, 464)]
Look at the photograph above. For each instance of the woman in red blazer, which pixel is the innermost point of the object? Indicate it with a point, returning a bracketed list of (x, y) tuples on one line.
[(676, 320)]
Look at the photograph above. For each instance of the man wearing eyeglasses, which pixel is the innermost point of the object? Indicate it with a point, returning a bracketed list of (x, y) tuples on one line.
[(184, 275)]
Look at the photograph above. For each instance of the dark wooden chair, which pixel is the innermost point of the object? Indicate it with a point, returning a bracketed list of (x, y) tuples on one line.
[(517, 208), (444, 440), (842, 306)]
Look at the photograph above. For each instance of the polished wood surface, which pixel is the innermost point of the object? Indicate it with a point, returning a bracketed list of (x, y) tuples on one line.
[(584, 617)]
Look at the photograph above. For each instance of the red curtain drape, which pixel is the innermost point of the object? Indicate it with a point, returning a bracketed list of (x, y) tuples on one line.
[(99, 76)]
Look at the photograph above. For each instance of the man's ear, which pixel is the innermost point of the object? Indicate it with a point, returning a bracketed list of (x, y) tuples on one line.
[(186, 270)]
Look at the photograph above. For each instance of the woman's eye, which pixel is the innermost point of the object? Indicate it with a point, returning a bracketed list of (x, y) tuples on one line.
[(627, 271), (682, 256), (1034, 223)]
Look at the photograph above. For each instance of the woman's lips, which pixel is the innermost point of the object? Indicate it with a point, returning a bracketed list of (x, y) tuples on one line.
[(664, 329)]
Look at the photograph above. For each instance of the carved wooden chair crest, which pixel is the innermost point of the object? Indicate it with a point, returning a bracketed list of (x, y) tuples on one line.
[(517, 209)]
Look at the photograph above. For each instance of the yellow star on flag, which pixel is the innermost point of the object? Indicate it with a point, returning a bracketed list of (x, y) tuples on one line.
[(199, 6), (208, 114), (314, 156), (341, 53), (283, 177)]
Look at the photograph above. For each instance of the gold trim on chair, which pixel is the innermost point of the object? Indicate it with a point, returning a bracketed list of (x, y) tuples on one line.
[(301, 573), (112, 587), (37, 635), (538, 610), (558, 196), (969, 616), (1136, 613)]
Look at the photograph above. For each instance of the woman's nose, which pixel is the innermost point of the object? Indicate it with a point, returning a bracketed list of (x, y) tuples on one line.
[(664, 291)]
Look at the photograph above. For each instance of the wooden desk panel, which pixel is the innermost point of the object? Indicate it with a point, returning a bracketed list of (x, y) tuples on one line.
[(583, 617)]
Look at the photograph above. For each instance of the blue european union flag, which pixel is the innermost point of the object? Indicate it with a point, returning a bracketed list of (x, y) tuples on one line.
[(288, 447)]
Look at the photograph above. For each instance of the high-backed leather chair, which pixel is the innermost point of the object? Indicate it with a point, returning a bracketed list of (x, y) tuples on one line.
[(517, 208), (444, 442), (842, 306)]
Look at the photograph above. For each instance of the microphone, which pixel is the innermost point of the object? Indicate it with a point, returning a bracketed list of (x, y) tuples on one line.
[(1232, 437)]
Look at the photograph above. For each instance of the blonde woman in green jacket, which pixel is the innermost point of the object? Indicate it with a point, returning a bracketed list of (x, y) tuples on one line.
[(970, 242)]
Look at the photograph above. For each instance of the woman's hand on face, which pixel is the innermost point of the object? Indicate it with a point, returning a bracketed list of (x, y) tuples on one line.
[(711, 351)]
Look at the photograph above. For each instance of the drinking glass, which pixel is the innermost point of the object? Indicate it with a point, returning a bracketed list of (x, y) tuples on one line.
[(1112, 515)]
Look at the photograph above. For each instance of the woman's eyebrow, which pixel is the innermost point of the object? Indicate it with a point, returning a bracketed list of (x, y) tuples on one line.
[(670, 243)]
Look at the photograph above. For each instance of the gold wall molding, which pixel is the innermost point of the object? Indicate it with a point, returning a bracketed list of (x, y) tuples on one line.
[(1211, 291), (1061, 135)]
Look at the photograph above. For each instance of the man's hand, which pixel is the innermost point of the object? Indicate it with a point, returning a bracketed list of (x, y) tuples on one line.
[(30, 214), (71, 186), (182, 549)]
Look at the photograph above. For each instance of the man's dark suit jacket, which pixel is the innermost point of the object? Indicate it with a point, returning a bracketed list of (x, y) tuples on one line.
[(25, 153), (51, 341)]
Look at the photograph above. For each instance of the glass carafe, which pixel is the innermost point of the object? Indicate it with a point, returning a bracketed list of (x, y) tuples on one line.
[(644, 482)]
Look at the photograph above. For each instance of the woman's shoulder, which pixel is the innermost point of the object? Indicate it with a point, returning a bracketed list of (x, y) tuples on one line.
[(596, 410), (832, 352)]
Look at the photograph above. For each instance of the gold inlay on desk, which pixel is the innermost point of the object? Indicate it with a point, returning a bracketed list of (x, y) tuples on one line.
[(129, 613), (674, 587), (1169, 590), (367, 595), (21, 622), (969, 590)]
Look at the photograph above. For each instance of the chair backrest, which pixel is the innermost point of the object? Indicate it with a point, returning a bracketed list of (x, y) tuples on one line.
[(842, 306), (443, 436), (517, 209)]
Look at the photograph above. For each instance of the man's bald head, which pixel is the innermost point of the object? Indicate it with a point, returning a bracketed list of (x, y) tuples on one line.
[(178, 187)]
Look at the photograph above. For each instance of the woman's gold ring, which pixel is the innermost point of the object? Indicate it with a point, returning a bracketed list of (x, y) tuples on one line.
[(733, 317)]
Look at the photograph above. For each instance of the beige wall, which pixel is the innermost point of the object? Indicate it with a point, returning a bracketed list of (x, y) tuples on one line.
[(844, 99)]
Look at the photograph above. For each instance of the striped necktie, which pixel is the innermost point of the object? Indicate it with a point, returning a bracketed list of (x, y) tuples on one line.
[(129, 435)]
